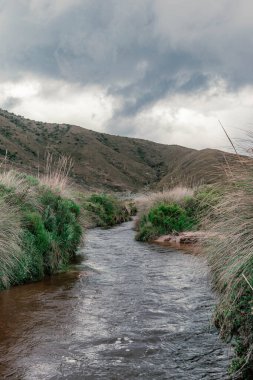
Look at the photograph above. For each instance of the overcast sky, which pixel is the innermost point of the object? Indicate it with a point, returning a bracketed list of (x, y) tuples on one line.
[(164, 70)]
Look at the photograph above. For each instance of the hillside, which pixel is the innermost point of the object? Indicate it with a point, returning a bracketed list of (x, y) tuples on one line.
[(105, 161)]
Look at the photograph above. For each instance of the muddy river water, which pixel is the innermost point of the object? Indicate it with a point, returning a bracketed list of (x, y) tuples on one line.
[(126, 310)]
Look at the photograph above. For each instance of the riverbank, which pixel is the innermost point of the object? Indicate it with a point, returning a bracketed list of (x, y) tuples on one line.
[(230, 257), (190, 242), (42, 222), (189, 237), (104, 210)]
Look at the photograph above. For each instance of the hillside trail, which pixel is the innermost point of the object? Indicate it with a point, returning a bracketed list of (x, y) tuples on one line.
[(126, 310)]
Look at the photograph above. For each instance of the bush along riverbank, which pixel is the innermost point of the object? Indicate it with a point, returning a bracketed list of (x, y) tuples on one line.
[(173, 212), (104, 210), (40, 229), (42, 222)]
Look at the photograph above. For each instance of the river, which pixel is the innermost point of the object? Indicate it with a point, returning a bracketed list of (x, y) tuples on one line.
[(126, 310)]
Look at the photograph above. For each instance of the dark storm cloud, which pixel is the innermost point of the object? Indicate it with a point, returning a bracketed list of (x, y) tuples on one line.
[(139, 51), (160, 80), (10, 102)]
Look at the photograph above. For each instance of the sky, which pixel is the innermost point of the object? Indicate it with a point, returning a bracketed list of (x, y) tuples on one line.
[(163, 70)]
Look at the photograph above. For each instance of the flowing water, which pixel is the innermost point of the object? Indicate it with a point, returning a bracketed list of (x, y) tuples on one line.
[(125, 311)]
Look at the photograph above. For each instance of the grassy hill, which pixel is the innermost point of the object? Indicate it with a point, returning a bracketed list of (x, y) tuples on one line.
[(105, 161)]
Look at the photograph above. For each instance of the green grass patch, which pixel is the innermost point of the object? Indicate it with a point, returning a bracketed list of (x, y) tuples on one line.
[(104, 210)]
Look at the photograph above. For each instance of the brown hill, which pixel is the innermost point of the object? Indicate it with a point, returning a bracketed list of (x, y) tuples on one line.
[(105, 161), (198, 167)]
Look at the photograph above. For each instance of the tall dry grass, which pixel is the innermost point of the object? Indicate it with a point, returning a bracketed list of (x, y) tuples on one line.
[(57, 174), (177, 195), (18, 184), (15, 191), (10, 240), (230, 256)]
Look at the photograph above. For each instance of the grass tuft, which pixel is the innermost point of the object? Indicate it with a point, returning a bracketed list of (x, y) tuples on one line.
[(57, 172)]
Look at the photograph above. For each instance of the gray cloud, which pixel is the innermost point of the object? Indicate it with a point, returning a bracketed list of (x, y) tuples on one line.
[(105, 42), (138, 51), (10, 102)]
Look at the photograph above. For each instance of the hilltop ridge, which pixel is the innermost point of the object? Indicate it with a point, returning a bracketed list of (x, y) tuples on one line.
[(103, 161)]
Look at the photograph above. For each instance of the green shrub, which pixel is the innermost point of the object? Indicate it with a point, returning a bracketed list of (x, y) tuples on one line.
[(147, 232), (35, 225), (105, 210), (30, 266), (163, 219), (170, 218), (175, 210), (62, 230)]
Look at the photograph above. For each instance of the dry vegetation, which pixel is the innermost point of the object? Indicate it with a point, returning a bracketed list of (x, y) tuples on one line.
[(10, 240), (56, 175), (176, 195), (230, 255)]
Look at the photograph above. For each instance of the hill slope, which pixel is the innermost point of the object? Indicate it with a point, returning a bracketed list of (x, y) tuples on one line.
[(105, 161)]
